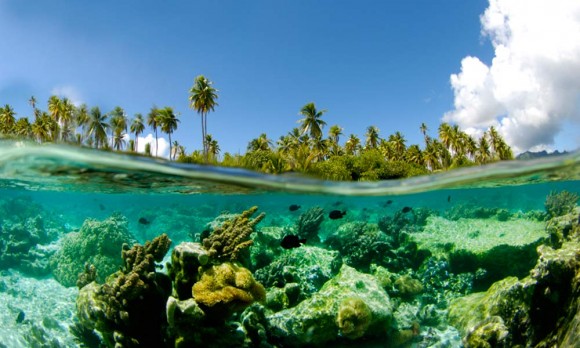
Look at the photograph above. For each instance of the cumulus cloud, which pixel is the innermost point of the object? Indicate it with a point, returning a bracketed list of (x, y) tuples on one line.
[(163, 150), (532, 86), (70, 92)]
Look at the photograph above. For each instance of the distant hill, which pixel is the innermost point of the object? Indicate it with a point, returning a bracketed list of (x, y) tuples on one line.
[(530, 155)]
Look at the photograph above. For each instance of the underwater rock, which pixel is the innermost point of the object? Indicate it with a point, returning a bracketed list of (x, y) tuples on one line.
[(407, 286), (186, 258), (562, 228), (308, 225), (226, 288), (308, 266), (354, 317), (501, 248), (182, 317), (314, 320), (98, 243), (540, 310)]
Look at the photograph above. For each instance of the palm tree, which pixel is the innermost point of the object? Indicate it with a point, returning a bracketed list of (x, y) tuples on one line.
[(483, 151), (352, 145), (23, 128), (7, 119), (153, 122), (423, 128), (212, 146), (44, 127), (397, 140), (137, 128), (118, 127), (334, 134), (202, 98), (82, 118), (177, 150), (414, 155), (445, 134), (168, 122), (372, 138), (312, 122), (66, 115), (261, 143), (98, 126), (32, 102)]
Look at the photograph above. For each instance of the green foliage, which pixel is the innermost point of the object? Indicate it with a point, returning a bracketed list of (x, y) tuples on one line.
[(560, 203)]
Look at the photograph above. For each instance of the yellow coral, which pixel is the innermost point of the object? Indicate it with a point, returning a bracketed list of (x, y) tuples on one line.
[(354, 317), (227, 288)]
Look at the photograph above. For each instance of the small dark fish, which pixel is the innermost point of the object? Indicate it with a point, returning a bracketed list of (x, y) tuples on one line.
[(389, 202), (337, 203), (448, 198), (293, 207), (336, 214), (20, 317), (101, 206), (144, 221), (406, 209), (292, 241)]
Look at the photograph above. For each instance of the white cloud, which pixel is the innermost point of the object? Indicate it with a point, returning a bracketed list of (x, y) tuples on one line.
[(533, 83), (163, 150), (70, 92)]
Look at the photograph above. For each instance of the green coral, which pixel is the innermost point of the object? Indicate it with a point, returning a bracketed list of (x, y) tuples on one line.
[(560, 203), (97, 243), (128, 309), (227, 241)]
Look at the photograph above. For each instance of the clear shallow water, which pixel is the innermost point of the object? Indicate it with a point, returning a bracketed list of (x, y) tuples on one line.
[(67, 185)]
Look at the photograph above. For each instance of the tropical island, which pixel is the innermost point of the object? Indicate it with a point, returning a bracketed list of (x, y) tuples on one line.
[(304, 149)]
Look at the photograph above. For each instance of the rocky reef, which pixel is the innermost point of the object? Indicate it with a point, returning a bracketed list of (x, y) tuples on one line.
[(97, 243), (540, 310)]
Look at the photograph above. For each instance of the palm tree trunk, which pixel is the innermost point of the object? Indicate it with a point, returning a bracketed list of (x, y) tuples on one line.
[(169, 134), (156, 142)]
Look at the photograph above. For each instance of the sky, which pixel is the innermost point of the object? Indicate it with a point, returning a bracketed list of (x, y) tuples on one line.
[(513, 64)]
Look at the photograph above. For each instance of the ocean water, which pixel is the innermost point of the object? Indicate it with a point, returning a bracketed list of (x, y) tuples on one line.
[(415, 245)]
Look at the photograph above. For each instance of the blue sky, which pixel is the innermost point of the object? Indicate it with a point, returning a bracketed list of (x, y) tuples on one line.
[(384, 63)]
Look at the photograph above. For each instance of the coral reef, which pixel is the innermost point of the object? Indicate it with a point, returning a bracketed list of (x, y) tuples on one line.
[(308, 225), (97, 243), (354, 317), (308, 267), (501, 248), (540, 310), (313, 321), (407, 286), (226, 288), (560, 203), (227, 241), (186, 258), (129, 309)]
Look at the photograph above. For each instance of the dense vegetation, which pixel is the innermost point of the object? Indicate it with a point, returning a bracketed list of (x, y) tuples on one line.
[(304, 149)]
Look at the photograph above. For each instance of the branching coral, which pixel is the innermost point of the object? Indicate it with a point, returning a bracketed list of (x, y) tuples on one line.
[(309, 223), (227, 288), (126, 308), (227, 241)]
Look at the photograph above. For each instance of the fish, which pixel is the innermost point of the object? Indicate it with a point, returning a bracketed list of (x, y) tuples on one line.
[(144, 221), (337, 203), (102, 206), (292, 241), (20, 317), (293, 207), (406, 209), (448, 198), (336, 214), (389, 202)]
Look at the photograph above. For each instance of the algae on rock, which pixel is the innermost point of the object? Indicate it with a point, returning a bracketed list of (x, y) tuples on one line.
[(314, 320)]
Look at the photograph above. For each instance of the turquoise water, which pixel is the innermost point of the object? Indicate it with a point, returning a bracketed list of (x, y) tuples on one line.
[(48, 194)]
